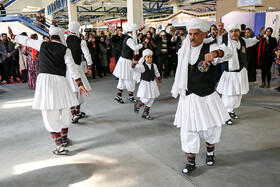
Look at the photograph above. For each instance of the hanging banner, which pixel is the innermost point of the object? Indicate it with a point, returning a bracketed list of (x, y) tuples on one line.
[(241, 3)]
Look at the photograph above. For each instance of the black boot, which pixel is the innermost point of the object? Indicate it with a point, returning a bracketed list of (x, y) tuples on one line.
[(188, 168)]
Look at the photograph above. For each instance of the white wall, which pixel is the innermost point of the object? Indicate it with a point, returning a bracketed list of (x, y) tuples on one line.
[(17, 28), (270, 21), (270, 18), (246, 18)]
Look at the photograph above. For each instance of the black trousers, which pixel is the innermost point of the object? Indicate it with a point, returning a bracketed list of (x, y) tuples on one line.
[(265, 72), (172, 64), (163, 61), (24, 75), (10, 69), (96, 67), (2, 71)]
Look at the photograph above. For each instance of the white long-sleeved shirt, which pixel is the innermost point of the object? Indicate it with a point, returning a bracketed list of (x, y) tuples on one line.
[(130, 42), (36, 44), (195, 52), (139, 68)]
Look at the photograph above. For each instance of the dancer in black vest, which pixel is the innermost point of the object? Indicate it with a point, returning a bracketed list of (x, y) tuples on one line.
[(78, 47), (53, 95), (122, 69), (148, 88), (200, 112), (234, 80)]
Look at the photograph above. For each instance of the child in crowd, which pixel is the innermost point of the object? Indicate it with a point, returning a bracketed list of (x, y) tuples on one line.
[(148, 88)]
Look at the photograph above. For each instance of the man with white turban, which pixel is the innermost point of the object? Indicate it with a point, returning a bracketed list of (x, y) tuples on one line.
[(78, 47), (234, 80), (200, 112), (148, 88), (53, 96), (122, 69)]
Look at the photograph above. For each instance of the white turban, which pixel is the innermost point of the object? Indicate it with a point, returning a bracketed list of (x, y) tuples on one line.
[(196, 23), (74, 27), (132, 27), (233, 26), (58, 31), (147, 52)]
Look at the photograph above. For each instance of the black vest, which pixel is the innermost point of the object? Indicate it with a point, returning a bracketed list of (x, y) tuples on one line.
[(149, 74), (74, 44), (51, 58), (127, 52), (201, 82), (242, 55)]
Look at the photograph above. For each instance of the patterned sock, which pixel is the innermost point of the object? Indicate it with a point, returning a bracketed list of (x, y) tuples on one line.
[(140, 104), (210, 148), (191, 158), (147, 109), (77, 109), (130, 94), (57, 138), (64, 132), (73, 111), (120, 92)]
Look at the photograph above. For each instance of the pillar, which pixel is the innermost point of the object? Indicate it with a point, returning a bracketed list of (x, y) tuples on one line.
[(135, 12), (176, 9), (72, 11)]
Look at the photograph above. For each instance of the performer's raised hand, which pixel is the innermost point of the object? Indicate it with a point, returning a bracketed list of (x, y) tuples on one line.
[(262, 31), (10, 31), (134, 64), (82, 89)]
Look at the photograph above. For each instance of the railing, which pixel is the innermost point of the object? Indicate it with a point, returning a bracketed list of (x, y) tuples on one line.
[(56, 6), (8, 3), (34, 24)]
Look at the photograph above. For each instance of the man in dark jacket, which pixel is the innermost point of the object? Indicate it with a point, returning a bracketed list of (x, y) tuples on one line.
[(7, 50), (117, 40)]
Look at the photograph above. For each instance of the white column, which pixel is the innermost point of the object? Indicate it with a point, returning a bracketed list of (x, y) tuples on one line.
[(135, 12), (72, 11), (48, 17)]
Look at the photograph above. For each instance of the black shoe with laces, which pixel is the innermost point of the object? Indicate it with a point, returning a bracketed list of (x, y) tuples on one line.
[(75, 119), (81, 115), (146, 115), (132, 99), (188, 168), (60, 150), (210, 159), (229, 122), (119, 99), (233, 115)]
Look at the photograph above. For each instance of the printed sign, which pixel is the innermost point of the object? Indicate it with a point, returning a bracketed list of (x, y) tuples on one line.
[(241, 3)]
